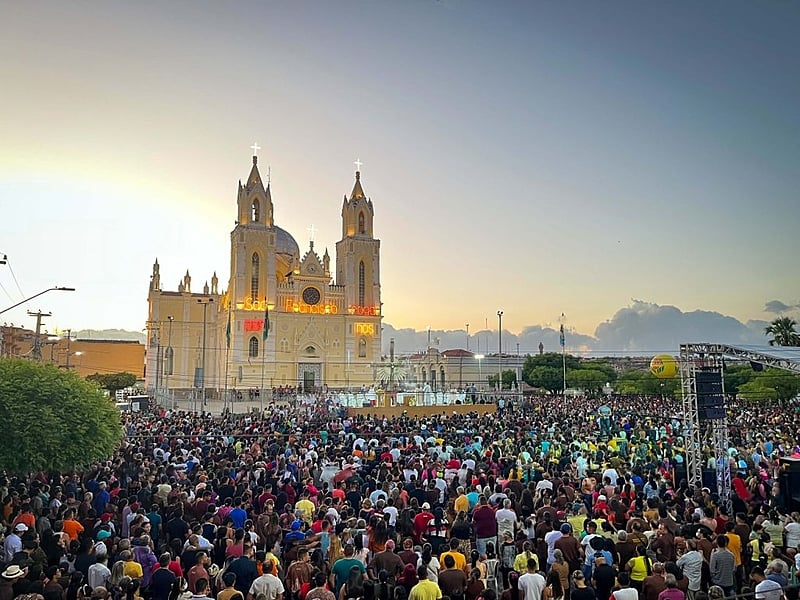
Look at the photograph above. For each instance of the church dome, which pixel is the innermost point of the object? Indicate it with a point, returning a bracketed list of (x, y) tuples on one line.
[(285, 243)]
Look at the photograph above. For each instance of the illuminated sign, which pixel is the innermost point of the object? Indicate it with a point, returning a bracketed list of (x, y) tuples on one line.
[(364, 328), (365, 311), (308, 309), (253, 325), (250, 304)]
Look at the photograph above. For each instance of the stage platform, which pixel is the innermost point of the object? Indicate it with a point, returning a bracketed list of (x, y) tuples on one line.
[(435, 410)]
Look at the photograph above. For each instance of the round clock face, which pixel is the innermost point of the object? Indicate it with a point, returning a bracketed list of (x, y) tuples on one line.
[(311, 296)]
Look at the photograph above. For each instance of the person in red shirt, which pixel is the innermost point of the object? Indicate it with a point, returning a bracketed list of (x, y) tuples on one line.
[(421, 522), (483, 519)]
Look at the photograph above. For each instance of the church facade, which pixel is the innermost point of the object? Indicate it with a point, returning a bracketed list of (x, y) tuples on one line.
[(286, 317)]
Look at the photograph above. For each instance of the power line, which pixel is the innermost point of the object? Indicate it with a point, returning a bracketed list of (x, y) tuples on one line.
[(10, 268)]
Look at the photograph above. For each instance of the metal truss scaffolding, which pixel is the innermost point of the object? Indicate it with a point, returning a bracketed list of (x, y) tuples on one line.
[(712, 434)]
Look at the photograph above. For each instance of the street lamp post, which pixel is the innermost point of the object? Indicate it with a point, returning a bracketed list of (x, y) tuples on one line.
[(480, 374), (54, 288), (170, 358), (204, 302), (499, 350)]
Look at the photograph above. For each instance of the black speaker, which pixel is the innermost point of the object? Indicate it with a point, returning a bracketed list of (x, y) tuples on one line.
[(790, 489), (710, 401), (709, 478), (790, 464)]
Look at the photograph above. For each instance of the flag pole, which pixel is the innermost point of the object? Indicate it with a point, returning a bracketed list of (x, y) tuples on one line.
[(563, 342), (227, 360), (263, 357)]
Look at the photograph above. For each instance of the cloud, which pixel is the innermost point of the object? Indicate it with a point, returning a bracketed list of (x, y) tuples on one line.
[(646, 327), (641, 329), (777, 307)]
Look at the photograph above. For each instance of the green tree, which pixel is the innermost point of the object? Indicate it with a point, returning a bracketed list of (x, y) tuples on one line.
[(591, 380), (113, 381), (548, 378), (786, 385), (551, 359), (736, 376), (634, 381), (757, 391), (52, 419), (509, 378), (783, 332)]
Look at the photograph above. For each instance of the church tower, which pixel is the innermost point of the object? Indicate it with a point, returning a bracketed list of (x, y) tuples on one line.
[(358, 254), (252, 242)]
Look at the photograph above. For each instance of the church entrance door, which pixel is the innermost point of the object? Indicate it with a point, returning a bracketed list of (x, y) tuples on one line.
[(310, 374)]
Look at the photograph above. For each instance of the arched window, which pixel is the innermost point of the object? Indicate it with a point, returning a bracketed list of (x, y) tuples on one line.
[(362, 348), (255, 264), (284, 345), (255, 212), (361, 223), (253, 347), (362, 284)]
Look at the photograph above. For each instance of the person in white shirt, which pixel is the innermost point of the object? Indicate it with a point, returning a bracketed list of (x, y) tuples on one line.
[(99, 572), (13, 542), (766, 589), (692, 565), (391, 510), (266, 584), (532, 583), (792, 530), (506, 519)]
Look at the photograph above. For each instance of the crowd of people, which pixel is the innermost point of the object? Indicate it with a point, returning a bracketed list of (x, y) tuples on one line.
[(538, 501)]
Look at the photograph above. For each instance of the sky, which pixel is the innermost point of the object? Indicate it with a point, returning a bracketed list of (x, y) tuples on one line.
[(537, 158)]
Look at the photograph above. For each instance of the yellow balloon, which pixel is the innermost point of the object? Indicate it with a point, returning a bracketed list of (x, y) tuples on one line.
[(664, 366)]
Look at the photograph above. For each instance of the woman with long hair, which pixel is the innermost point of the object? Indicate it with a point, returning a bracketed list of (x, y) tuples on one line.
[(407, 579), (561, 567), (553, 590), (492, 569), (383, 590), (430, 562), (462, 530), (640, 567), (436, 532), (475, 585), (513, 593), (221, 543), (353, 588)]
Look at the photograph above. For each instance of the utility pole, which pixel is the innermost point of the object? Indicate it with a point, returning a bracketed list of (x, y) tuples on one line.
[(37, 342), (69, 339), (205, 302), (499, 350), (169, 355)]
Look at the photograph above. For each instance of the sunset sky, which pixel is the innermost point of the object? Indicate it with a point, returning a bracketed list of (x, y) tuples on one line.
[(534, 157)]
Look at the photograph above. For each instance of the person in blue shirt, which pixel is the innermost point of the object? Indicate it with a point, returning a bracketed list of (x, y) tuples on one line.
[(238, 514)]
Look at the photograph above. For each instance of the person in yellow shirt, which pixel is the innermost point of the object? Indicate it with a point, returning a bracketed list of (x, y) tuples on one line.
[(305, 507), (458, 557), (521, 559), (425, 589), (131, 568), (734, 543), (462, 502)]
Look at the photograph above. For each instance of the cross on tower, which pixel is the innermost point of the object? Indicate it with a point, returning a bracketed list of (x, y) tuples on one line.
[(255, 148), (311, 231), (358, 164)]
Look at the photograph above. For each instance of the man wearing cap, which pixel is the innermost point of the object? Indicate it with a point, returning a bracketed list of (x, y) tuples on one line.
[(13, 542), (421, 522)]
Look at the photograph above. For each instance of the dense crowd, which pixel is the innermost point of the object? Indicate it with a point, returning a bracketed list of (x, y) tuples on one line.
[(546, 500)]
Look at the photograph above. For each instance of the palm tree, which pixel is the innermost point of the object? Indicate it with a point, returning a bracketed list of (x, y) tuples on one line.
[(783, 332)]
